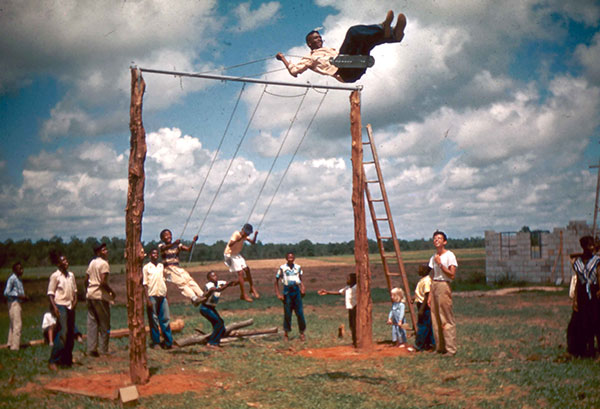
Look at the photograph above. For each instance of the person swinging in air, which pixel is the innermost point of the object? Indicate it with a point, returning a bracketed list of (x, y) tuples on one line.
[(359, 41)]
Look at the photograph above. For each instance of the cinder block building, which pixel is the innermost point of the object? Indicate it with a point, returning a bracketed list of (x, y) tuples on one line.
[(536, 257)]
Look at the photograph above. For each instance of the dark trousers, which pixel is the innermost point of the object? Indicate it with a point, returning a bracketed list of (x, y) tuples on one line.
[(211, 314), (62, 351), (352, 322), (292, 301), (424, 339), (159, 316), (360, 40)]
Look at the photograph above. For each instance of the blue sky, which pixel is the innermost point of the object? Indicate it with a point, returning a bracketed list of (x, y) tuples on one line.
[(486, 116)]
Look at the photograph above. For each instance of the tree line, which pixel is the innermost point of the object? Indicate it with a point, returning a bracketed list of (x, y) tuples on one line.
[(79, 252)]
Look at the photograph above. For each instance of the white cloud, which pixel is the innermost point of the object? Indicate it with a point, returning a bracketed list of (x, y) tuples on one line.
[(589, 57), (250, 20)]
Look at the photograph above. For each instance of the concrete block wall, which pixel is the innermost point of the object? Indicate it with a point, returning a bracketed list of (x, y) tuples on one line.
[(518, 264)]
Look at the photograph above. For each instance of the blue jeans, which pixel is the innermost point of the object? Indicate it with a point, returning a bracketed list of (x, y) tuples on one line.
[(360, 40), (159, 316), (292, 301), (211, 314), (424, 339), (62, 351)]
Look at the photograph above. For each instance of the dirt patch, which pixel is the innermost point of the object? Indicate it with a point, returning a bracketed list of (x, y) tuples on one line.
[(349, 353), (106, 385)]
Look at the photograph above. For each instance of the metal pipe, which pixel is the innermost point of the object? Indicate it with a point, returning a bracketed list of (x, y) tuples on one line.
[(252, 80)]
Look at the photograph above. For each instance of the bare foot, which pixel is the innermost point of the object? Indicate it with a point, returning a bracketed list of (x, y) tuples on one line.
[(255, 294), (302, 337), (246, 298), (387, 24), (398, 33)]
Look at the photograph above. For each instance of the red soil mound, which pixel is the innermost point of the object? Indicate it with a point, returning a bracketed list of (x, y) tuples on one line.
[(107, 385)]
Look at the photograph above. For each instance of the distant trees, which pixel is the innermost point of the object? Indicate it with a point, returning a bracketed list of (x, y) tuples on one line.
[(80, 251)]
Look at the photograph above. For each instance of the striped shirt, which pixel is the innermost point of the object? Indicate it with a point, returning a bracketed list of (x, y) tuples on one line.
[(170, 256)]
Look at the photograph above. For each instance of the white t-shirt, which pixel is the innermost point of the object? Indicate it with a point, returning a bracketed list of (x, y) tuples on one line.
[(349, 296), (289, 275), (95, 270), (155, 280), (448, 259), (214, 297), (48, 321)]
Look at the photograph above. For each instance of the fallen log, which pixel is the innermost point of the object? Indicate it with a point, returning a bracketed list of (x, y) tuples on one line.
[(202, 339), (262, 335), (250, 332), (176, 326)]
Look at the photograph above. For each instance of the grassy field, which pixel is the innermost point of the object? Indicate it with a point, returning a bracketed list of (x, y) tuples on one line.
[(511, 355)]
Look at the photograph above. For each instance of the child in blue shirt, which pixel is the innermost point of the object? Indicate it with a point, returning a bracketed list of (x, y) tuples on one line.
[(397, 317)]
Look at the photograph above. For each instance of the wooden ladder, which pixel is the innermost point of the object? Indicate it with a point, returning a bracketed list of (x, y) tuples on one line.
[(390, 222)]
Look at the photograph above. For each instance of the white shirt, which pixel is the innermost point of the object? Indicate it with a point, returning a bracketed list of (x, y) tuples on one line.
[(349, 296), (214, 297), (289, 275), (48, 320), (154, 279), (95, 270), (64, 289), (447, 259)]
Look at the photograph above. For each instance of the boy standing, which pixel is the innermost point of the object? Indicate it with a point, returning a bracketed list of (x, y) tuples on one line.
[(349, 293), (290, 275), (155, 289), (235, 261), (444, 264), (424, 340), (208, 309), (62, 294), (99, 295), (15, 295)]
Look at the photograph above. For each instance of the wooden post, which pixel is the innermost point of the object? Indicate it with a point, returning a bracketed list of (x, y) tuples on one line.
[(364, 304), (134, 253), (594, 226)]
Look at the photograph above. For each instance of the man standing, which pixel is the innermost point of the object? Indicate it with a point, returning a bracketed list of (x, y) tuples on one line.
[(290, 275), (155, 289), (99, 295), (15, 295), (443, 263)]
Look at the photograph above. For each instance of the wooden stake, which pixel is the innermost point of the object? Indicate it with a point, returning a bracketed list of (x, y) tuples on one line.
[(134, 252), (364, 304)]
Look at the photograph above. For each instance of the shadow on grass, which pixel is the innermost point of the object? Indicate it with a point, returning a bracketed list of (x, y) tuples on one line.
[(343, 376)]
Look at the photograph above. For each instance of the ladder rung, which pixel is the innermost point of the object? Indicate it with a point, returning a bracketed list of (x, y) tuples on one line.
[(373, 181), (366, 143), (394, 274), (384, 238), (376, 200), (371, 162), (381, 218)]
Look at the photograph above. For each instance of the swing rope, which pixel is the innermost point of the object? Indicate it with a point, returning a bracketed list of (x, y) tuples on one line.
[(292, 159), (214, 158), (229, 166), (277, 155)]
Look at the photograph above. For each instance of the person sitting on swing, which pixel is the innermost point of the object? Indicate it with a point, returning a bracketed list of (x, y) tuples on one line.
[(360, 40)]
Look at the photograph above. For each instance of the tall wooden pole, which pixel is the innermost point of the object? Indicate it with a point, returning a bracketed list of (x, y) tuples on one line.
[(134, 253), (364, 304)]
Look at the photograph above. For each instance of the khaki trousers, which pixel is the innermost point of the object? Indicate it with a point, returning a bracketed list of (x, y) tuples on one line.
[(442, 317), (186, 284), (14, 331)]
